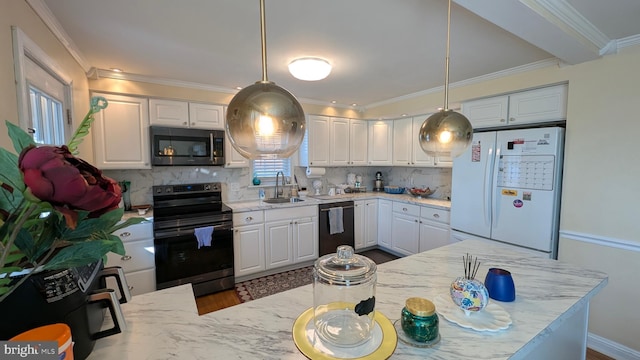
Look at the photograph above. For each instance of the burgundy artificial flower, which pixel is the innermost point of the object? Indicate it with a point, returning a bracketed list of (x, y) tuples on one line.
[(54, 175)]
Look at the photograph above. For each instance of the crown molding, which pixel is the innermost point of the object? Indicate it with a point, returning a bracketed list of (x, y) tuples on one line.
[(498, 74), (43, 11)]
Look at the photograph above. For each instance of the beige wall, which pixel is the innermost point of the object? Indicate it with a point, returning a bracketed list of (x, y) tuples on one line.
[(18, 13), (601, 174), (600, 192)]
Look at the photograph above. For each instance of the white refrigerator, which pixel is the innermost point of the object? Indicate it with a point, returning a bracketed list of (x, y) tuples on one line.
[(506, 188)]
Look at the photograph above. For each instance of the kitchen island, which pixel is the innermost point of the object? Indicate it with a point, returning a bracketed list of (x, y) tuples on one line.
[(549, 315)]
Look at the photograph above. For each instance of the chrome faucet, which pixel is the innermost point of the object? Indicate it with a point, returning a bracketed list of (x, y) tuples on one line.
[(279, 191)]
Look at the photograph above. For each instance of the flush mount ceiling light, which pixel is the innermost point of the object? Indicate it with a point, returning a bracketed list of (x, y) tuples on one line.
[(265, 121), (310, 68), (445, 133)]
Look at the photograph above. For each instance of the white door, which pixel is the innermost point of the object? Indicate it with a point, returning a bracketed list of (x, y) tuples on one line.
[(406, 233), (402, 142), (206, 116), (471, 186), (385, 211), (433, 235), (527, 183), (483, 113), (305, 239), (168, 113), (380, 142), (279, 244), (339, 142), (359, 224), (319, 130), (358, 142), (248, 249), (420, 158), (371, 223)]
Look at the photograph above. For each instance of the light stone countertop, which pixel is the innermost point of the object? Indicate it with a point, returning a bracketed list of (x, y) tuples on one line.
[(165, 324), (253, 205)]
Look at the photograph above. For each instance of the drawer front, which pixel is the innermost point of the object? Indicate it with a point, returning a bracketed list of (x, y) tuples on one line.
[(438, 215), (142, 231), (404, 208), (290, 213), (248, 218), (138, 256)]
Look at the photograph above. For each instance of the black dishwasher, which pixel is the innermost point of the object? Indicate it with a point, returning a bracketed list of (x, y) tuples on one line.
[(329, 242)]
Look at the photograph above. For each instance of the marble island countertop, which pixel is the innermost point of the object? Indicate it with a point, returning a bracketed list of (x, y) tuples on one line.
[(551, 297), (252, 205)]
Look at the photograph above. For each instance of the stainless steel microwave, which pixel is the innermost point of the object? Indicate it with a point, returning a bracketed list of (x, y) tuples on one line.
[(186, 147)]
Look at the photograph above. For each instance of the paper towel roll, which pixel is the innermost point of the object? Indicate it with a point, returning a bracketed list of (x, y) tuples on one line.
[(315, 172)]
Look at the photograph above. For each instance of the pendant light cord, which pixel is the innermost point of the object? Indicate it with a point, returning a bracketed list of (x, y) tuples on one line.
[(263, 38), (446, 62)]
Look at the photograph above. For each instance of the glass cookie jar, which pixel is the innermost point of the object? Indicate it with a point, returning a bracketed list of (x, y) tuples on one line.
[(344, 286), (419, 320)]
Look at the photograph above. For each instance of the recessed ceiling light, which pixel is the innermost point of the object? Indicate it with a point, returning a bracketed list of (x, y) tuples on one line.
[(310, 68), (354, 104), (333, 101), (116, 70)]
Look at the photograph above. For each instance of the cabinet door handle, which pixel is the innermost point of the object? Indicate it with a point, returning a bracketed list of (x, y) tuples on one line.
[(436, 216), (248, 218), (502, 120), (130, 287), (404, 209), (416, 220), (184, 123), (126, 258), (512, 119), (125, 234)]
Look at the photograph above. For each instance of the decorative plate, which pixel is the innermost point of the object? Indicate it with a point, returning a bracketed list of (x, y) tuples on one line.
[(492, 318), (381, 345)]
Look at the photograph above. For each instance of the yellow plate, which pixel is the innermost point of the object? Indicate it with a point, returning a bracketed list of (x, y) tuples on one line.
[(384, 350)]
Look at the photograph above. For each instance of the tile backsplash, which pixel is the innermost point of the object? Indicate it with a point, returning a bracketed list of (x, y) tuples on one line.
[(236, 183)]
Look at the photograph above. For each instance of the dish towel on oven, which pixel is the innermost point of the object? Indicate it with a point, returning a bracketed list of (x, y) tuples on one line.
[(204, 235), (336, 224)]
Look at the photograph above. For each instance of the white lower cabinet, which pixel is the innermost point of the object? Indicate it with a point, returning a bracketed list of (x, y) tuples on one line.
[(405, 226), (365, 223), (291, 236), (385, 210), (138, 263), (269, 239), (434, 228), (417, 228), (248, 243)]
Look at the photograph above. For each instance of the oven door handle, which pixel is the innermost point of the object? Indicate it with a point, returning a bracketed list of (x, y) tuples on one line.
[(189, 231)]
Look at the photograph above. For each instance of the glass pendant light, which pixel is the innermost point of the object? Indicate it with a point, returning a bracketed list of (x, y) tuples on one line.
[(445, 133), (265, 121)]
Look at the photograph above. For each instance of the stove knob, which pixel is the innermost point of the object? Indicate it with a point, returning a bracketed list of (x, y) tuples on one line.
[(207, 187), (167, 190), (159, 191)]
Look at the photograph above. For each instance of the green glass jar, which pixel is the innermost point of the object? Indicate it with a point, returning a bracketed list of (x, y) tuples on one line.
[(419, 320)]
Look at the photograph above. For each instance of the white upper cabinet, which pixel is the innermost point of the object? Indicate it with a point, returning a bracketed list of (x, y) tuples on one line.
[(319, 130), (121, 133), (175, 113), (526, 107), (358, 142), (336, 141), (206, 116), (406, 146), (380, 142)]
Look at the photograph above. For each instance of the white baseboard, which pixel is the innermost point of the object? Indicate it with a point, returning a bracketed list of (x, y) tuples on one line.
[(611, 348)]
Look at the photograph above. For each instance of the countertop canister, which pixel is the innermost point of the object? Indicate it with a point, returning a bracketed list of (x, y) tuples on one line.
[(419, 320), (344, 286)]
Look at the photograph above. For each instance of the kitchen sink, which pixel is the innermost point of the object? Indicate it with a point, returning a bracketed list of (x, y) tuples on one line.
[(282, 200)]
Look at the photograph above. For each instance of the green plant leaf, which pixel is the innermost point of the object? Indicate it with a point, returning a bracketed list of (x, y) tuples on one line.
[(80, 254), (19, 137), (11, 178), (97, 103), (10, 269)]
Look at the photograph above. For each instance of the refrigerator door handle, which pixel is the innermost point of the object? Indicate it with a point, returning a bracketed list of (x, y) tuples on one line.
[(488, 175), (496, 208)]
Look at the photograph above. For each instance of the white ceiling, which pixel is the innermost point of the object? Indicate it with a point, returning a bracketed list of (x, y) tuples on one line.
[(380, 49)]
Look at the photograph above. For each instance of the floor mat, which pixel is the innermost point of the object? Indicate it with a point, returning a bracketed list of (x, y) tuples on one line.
[(273, 284)]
